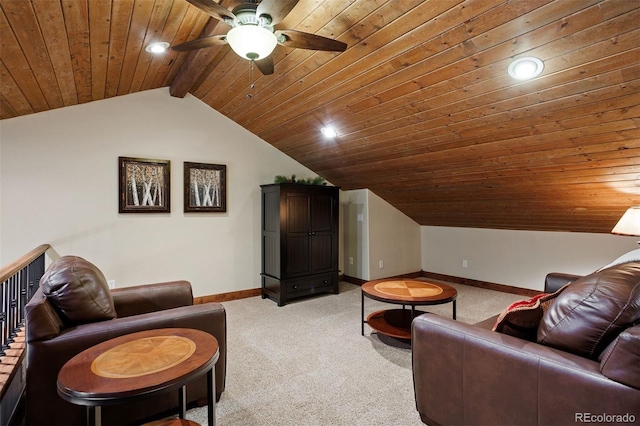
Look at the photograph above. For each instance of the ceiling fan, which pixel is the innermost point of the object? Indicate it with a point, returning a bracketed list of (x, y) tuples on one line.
[(253, 35)]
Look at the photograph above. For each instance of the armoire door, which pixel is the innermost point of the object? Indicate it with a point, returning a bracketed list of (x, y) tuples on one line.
[(322, 233), (298, 234)]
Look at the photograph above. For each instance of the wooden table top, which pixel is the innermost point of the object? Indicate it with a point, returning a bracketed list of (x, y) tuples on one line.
[(137, 365), (409, 292)]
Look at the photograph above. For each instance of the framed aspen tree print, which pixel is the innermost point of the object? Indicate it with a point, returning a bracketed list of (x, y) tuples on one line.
[(205, 187), (144, 185)]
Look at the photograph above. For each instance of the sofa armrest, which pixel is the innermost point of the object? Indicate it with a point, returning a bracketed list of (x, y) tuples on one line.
[(147, 298), (555, 280), (468, 375), (46, 357)]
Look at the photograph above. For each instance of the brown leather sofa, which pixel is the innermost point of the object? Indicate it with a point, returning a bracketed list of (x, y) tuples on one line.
[(73, 310), (582, 364)]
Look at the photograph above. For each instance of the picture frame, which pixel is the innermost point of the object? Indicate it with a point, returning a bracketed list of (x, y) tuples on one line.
[(205, 188), (144, 185)]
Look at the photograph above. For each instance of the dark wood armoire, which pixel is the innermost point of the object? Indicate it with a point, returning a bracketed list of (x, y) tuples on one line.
[(299, 240)]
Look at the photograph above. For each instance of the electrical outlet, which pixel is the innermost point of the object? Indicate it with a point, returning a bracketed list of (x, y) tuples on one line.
[(381, 264), (112, 283), (465, 263), (351, 261)]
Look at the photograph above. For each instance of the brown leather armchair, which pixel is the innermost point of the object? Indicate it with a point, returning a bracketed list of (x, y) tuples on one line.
[(468, 374), (52, 341)]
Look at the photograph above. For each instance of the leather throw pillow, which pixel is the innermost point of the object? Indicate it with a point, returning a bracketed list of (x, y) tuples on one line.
[(78, 290), (593, 311)]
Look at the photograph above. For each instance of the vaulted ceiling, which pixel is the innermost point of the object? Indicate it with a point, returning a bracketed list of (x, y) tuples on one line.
[(426, 115)]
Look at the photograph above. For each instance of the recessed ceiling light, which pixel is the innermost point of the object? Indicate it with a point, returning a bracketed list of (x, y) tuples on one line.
[(525, 68), (157, 47), (329, 132)]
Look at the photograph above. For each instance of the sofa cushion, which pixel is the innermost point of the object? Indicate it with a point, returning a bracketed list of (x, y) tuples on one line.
[(621, 360), (78, 290), (521, 318), (588, 315)]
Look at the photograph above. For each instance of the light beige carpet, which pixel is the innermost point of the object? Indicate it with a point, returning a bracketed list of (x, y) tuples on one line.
[(307, 364)]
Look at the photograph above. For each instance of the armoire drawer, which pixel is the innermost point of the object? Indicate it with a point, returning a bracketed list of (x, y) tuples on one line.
[(310, 285)]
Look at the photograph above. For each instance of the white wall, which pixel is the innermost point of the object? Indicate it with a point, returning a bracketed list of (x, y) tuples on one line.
[(355, 233), (59, 185), (374, 230), (394, 238), (517, 258)]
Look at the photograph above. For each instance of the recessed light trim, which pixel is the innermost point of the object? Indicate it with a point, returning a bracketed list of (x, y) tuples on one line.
[(329, 132), (525, 68), (157, 47)]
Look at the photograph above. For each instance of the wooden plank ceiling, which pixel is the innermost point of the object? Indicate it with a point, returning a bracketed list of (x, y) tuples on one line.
[(427, 117)]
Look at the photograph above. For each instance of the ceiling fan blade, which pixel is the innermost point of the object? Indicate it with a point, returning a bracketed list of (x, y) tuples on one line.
[(265, 65), (304, 40), (214, 9), (276, 9), (199, 43)]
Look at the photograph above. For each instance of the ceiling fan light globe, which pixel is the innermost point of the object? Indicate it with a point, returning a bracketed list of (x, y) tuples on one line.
[(251, 41)]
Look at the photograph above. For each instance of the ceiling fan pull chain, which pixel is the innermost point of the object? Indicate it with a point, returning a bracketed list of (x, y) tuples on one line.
[(251, 85)]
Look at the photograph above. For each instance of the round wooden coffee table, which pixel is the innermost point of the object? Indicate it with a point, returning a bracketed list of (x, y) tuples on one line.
[(140, 365), (401, 291)]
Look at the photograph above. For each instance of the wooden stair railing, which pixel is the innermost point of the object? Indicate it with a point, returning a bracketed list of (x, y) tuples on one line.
[(19, 280)]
